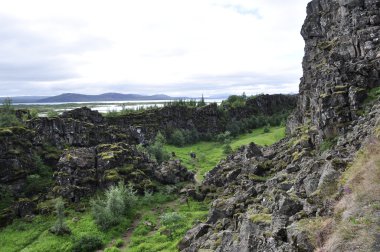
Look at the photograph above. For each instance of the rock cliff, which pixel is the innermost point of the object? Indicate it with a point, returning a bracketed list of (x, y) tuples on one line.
[(340, 65), (264, 199)]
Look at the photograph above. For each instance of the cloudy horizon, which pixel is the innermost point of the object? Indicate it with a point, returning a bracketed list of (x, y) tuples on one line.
[(175, 47)]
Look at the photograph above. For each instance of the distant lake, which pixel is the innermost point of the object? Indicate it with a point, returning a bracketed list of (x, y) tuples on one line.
[(106, 106)]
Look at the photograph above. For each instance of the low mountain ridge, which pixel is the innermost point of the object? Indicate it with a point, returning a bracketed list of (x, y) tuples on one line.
[(73, 97)]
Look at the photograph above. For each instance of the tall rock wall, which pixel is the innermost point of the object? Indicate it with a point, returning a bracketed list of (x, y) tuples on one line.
[(341, 63)]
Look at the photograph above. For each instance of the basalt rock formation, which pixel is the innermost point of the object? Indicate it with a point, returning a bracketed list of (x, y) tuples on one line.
[(84, 151), (264, 198), (341, 63)]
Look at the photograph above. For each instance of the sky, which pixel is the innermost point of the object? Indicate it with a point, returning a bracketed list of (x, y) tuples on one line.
[(175, 47)]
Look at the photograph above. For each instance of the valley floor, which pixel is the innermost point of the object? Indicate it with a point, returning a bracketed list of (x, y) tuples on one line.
[(141, 230)]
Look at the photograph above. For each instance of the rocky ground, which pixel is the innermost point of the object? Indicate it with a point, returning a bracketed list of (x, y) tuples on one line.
[(264, 197)]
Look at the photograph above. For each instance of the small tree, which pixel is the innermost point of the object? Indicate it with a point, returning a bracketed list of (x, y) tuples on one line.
[(202, 102), (118, 200), (266, 128), (7, 114), (227, 149), (177, 138), (60, 227)]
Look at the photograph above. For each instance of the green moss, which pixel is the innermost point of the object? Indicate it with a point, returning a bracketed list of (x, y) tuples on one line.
[(257, 178), (126, 169), (323, 96), (372, 95), (261, 218), (112, 175)]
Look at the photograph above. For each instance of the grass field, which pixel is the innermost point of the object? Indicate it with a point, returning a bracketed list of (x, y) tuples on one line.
[(210, 153)]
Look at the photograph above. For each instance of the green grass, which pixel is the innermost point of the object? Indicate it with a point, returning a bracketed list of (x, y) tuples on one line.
[(146, 238), (210, 153), (35, 236)]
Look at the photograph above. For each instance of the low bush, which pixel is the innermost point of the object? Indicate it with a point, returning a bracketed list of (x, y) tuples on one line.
[(117, 202), (156, 149), (171, 222), (60, 226), (87, 244)]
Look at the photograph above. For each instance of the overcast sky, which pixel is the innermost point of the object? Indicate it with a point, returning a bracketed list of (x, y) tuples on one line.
[(176, 47)]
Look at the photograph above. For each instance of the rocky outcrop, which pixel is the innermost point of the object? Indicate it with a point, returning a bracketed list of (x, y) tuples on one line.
[(82, 171), (263, 199), (66, 131), (262, 196), (341, 63), (209, 119), (172, 172)]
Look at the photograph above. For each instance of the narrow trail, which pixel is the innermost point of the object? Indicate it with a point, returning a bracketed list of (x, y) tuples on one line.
[(127, 236), (129, 232)]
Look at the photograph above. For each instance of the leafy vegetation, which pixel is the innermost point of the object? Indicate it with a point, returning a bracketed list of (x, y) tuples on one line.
[(8, 117), (60, 226), (208, 154), (34, 235), (117, 201), (156, 149), (155, 237)]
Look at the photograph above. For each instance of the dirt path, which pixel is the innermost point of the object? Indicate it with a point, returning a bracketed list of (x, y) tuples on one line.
[(129, 232), (127, 236)]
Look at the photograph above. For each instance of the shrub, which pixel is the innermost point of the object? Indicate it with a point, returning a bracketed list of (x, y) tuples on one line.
[(233, 127), (148, 197), (224, 138), (87, 244), (41, 180), (171, 222), (119, 243), (118, 200), (266, 129), (112, 249), (327, 144), (60, 227), (227, 149), (52, 113), (7, 115), (177, 138)]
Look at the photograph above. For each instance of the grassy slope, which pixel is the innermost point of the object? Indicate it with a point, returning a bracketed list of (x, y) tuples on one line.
[(147, 238), (35, 236), (354, 226), (210, 153)]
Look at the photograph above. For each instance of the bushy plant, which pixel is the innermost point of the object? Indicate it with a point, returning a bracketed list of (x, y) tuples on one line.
[(266, 129), (156, 149), (171, 222), (7, 115), (119, 243), (52, 113), (87, 244), (39, 181), (177, 138), (112, 249), (116, 203), (224, 137), (227, 149), (60, 227)]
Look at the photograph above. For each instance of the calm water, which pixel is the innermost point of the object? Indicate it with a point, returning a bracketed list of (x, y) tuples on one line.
[(106, 106)]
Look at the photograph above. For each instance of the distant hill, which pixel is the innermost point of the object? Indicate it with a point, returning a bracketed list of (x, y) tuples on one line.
[(72, 97), (25, 99)]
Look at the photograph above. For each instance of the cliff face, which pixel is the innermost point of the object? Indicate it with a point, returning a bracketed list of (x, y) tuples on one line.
[(278, 198), (341, 63)]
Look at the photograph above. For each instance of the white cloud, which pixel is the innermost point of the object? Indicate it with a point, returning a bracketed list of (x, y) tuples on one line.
[(166, 46)]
